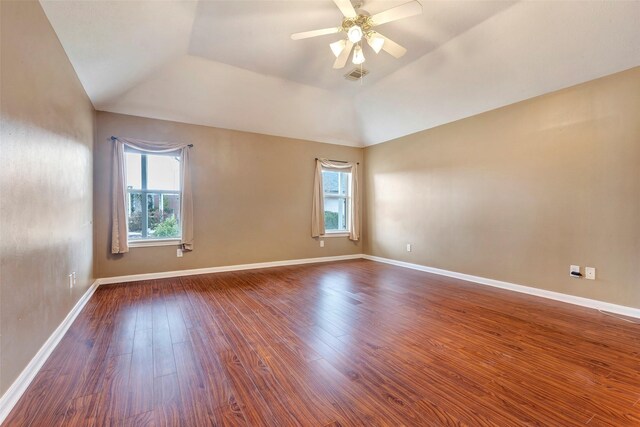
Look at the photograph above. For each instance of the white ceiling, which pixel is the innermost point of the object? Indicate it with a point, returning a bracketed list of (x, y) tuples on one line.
[(260, 36), (231, 64)]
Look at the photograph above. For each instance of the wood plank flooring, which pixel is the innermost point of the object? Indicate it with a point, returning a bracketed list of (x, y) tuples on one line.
[(353, 343)]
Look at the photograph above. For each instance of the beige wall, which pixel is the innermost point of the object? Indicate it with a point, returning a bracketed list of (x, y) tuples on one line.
[(252, 197), (520, 193), (46, 144), (516, 194)]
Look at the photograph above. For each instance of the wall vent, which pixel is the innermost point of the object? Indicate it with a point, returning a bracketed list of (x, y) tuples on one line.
[(356, 74)]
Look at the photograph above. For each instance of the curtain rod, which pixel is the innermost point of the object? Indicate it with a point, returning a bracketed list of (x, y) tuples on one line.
[(339, 161), (113, 138)]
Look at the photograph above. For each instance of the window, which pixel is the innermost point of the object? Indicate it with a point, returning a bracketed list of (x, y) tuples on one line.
[(153, 195), (337, 200)]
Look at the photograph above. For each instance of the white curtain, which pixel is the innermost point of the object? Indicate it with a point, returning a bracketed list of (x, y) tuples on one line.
[(317, 213), (119, 242)]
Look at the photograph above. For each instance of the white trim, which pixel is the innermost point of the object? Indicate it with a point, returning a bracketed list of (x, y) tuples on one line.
[(178, 273), (335, 234), (557, 296), (148, 243), (13, 394)]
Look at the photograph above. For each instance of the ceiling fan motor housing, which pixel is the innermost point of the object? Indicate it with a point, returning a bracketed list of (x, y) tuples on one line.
[(363, 21)]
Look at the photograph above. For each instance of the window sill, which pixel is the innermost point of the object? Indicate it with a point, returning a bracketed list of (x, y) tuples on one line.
[(150, 243), (336, 234)]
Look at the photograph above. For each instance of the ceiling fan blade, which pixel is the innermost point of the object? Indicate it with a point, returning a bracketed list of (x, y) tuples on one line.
[(392, 48), (341, 60), (346, 8), (403, 11), (314, 33)]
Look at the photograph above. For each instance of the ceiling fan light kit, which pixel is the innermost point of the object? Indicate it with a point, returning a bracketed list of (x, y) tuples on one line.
[(358, 56), (375, 42), (338, 47), (358, 25), (354, 34)]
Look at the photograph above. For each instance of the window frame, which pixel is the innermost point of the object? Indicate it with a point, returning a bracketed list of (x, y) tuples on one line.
[(349, 202), (145, 241)]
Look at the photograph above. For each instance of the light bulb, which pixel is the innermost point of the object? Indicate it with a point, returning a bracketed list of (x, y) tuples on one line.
[(338, 47), (376, 43), (354, 34), (358, 56)]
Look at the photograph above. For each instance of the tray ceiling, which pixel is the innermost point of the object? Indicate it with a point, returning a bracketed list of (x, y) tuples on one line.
[(231, 64)]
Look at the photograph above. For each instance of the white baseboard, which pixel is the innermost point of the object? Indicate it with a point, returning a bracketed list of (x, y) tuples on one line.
[(178, 273), (571, 299), (13, 394)]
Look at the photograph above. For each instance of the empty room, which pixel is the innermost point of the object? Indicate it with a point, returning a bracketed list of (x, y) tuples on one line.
[(319, 213)]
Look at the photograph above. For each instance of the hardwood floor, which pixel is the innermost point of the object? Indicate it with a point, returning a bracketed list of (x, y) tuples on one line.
[(340, 344)]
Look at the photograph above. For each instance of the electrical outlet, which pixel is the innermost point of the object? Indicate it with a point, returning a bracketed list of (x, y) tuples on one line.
[(179, 253), (574, 271), (408, 247), (590, 273), (322, 243)]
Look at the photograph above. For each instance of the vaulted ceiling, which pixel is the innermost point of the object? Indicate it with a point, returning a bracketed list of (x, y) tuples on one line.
[(231, 64)]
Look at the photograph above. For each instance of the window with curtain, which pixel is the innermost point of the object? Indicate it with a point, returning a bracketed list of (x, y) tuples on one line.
[(153, 195), (337, 200)]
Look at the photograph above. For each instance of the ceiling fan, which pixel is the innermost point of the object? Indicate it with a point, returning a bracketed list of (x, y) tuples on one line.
[(358, 25)]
